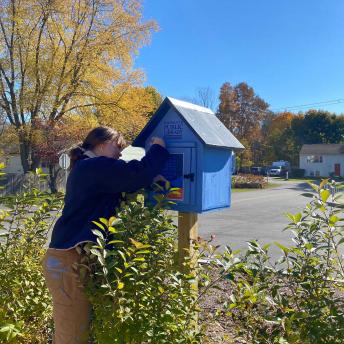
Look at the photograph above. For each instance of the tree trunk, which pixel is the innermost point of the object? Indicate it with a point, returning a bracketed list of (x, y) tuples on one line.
[(24, 149), (36, 160), (53, 174)]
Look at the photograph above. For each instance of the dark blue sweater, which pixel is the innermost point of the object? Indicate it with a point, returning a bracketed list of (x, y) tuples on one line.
[(94, 188)]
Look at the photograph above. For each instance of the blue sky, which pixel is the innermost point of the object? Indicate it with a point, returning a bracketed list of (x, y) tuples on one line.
[(291, 52)]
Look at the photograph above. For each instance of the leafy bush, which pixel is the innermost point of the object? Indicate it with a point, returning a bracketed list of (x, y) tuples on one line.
[(137, 291), (298, 299), (250, 181), (140, 296), (25, 305)]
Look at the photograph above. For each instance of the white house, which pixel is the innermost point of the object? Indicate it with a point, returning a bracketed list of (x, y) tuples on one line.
[(321, 160), (12, 160)]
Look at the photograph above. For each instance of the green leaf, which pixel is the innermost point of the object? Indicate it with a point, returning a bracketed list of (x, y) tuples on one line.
[(112, 219), (143, 252), (95, 252), (307, 194), (122, 255), (285, 249), (139, 259), (167, 185), (105, 221), (99, 225), (308, 246), (116, 242), (98, 233), (266, 247), (135, 243), (112, 230), (313, 186), (341, 241), (291, 217), (333, 219), (297, 217), (325, 194)]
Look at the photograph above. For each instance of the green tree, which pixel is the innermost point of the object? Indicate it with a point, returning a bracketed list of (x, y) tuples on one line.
[(318, 126)]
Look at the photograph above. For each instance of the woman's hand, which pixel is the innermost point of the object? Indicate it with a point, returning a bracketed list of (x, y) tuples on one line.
[(158, 141)]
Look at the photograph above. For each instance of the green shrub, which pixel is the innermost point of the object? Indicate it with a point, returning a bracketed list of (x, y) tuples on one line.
[(25, 305), (140, 296), (137, 292), (298, 299)]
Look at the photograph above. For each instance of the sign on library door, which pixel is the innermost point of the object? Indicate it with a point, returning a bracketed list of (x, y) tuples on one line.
[(337, 169)]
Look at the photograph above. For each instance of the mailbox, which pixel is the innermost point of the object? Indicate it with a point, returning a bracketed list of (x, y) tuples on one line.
[(201, 154)]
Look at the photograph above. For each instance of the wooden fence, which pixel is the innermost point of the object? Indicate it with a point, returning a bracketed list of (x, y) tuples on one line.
[(18, 183)]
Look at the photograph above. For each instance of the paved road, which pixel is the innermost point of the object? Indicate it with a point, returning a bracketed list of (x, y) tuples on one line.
[(255, 214)]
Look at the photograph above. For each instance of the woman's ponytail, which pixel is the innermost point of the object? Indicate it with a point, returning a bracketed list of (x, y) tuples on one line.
[(76, 153)]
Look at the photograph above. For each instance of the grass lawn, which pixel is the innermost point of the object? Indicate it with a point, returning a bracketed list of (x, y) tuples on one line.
[(309, 179), (304, 179)]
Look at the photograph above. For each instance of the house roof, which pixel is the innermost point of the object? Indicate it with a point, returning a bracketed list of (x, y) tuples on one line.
[(201, 120), (322, 149)]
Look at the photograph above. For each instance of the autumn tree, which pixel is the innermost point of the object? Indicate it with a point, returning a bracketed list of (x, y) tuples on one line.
[(50, 141), (65, 57), (278, 139), (242, 112), (134, 108)]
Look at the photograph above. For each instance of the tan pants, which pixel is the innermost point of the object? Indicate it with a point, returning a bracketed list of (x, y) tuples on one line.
[(71, 308)]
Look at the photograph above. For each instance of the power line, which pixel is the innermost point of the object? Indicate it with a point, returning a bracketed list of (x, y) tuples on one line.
[(305, 106)]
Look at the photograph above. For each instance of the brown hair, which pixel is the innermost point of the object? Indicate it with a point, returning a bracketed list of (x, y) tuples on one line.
[(95, 137)]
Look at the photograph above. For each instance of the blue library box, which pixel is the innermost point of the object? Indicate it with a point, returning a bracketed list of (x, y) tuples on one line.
[(201, 154)]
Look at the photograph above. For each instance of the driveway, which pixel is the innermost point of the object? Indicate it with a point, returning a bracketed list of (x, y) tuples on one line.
[(255, 214)]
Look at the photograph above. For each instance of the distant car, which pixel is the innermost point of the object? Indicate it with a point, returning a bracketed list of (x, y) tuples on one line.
[(281, 163), (278, 171), (275, 171)]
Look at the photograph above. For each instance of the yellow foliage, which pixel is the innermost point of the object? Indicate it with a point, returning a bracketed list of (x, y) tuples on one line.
[(66, 57), (281, 122), (76, 127), (134, 107)]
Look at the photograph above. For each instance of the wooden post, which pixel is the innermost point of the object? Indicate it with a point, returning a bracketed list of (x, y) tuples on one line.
[(187, 232)]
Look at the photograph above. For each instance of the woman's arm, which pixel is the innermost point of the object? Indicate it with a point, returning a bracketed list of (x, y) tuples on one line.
[(119, 176)]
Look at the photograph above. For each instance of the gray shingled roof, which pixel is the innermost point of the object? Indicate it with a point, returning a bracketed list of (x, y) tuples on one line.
[(322, 149), (200, 119)]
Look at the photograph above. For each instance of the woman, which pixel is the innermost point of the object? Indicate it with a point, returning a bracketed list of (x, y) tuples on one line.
[(94, 186)]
